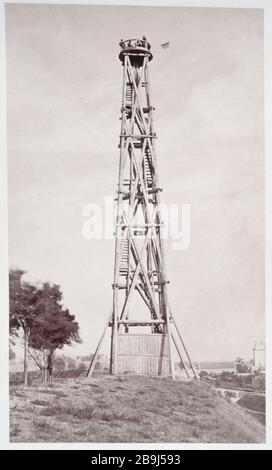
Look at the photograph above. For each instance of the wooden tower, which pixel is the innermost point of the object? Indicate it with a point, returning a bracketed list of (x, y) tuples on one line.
[(143, 329)]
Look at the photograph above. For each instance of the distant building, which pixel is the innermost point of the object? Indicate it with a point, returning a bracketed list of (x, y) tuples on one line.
[(259, 356), (216, 367)]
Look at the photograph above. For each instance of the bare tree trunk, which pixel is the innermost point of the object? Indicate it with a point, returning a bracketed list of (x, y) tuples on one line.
[(44, 376), (50, 365), (41, 363), (25, 357)]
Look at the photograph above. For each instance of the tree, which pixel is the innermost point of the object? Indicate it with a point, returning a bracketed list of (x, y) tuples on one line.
[(82, 366), (54, 328), (203, 373), (12, 354), (59, 363), (23, 309), (98, 365), (86, 358), (241, 366), (71, 363), (15, 276)]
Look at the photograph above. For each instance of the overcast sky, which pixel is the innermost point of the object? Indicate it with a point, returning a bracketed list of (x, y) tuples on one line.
[(64, 97)]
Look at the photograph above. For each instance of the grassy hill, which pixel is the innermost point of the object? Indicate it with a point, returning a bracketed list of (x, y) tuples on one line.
[(128, 409)]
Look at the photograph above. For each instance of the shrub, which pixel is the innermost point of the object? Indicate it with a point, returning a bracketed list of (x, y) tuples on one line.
[(82, 367), (71, 363), (59, 363)]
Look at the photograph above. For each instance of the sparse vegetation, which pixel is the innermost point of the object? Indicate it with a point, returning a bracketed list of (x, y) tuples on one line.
[(40, 402), (253, 380), (127, 409)]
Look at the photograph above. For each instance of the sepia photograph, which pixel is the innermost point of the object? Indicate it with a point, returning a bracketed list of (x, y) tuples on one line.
[(135, 143)]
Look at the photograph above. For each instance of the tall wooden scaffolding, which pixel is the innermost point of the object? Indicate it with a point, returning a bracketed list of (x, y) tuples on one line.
[(143, 330)]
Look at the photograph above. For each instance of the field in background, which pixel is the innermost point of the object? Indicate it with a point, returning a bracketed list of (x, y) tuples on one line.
[(127, 409)]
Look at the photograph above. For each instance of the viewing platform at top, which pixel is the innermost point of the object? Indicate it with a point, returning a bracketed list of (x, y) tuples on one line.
[(137, 49)]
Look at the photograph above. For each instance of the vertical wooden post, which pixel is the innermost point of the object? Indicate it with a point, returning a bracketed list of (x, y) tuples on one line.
[(25, 330), (118, 233), (160, 241)]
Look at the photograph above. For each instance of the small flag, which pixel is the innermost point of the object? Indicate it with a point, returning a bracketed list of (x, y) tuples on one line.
[(165, 45)]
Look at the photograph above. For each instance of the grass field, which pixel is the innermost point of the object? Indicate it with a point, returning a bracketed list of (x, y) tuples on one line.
[(127, 409)]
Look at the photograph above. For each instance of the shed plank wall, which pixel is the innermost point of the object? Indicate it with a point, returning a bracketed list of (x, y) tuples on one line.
[(143, 354)]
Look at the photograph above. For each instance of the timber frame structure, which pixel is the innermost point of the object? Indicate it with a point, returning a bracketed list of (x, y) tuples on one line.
[(139, 268)]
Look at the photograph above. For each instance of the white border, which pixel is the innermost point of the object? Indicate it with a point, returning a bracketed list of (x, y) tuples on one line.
[(4, 342), (4, 400), (261, 4), (268, 217)]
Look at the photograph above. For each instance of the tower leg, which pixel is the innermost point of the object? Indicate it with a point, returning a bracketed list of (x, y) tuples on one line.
[(185, 349), (168, 326), (97, 351), (180, 356)]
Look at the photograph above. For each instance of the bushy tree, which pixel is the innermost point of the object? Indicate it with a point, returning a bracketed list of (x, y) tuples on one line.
[(46, 325), (53, 328)]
